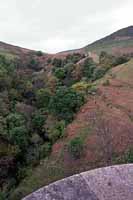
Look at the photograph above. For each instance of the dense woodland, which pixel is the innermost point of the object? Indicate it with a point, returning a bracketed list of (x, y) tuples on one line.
[(37, 101)]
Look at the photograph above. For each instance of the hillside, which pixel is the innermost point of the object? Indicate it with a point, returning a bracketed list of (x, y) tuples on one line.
[(118, 43), (12, 51), (62, 114), (113, 99)]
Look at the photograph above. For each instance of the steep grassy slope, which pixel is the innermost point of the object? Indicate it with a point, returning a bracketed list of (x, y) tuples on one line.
[(112, 106), (62, 114)]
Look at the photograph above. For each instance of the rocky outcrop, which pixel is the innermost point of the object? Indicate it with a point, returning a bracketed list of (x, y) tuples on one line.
[(110, 183)]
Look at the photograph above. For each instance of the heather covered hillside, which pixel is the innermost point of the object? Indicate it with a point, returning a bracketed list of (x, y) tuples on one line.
[(120, 42), (64, 113)]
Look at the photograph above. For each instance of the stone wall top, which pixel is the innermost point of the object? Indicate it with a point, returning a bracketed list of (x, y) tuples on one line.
[(110, 183)]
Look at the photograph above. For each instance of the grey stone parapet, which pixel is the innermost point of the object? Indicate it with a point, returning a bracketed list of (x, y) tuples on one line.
[(109, 183)]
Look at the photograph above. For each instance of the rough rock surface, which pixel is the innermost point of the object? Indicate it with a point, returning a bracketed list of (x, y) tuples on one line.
[(110, 183)]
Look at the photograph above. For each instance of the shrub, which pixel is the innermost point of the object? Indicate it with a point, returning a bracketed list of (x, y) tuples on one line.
[(32, 156), (52, 83), (22, 173), (57, 131), (106, 83), (74, 58), (19, 136), (4, 105), (45, 150), (34, 64), (99, 73), (102, 56), (65, 103), (16, 130), (15, 120), (110, 60), (81, 86), (93, 90), (49, 60), (106, 59), (36, 139), (128, 156), (60, 73), (37, 152), (42, 98), (75, 147), (88, 68), (120, 60), (57, 62), (38, 121), (2, 196), (3, 127), (5, 78), (39, 53), (69, 74)]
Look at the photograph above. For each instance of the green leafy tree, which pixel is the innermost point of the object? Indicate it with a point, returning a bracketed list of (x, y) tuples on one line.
[(88, 68), (99, 73), (17, 130), (45, 150), (19, 136), (57, 131), (74, 58), (69, 78), (43, 98), (57, 62), (3, 127), (59, 73), (15, 120), (65, 103), (38, 121)]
